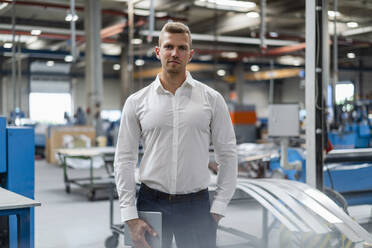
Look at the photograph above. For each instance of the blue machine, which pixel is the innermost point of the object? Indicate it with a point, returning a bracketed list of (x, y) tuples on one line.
[(357, 135), (352, 180), (16, 174), (294, 154)]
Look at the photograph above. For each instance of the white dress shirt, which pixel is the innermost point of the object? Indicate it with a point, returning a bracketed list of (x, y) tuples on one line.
[(176, 131)]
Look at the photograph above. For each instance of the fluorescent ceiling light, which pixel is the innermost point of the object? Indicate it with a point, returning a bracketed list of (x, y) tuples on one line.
[(274, 34), (332, 13), (36, 32), (69, 58), (141, 12), (111, 49), (255, 68), (240, 6), (350, 55), (50, 63), (221, 73), (161, 14), (7, 38), (356, 31), (139, 62), (253, 14), (36, 44), (229, 55), (352, 24), (3, 5), (69, 18), (206, 57), (137, 41), (8, 45), (291, 60), (116, 67)]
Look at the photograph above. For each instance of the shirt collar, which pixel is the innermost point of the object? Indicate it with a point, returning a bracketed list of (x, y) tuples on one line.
[(160, 89)]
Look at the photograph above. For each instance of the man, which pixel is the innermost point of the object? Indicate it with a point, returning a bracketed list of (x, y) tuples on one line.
[(176, 117)]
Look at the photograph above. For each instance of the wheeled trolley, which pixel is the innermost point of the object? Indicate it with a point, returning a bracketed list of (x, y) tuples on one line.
[(117, 229), (91, 183)]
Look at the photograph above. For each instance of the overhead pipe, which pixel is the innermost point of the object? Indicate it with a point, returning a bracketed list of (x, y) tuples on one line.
[(55, 36), (271, 52)]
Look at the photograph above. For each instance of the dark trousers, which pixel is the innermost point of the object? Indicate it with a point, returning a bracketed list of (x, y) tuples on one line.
[(186, 217)]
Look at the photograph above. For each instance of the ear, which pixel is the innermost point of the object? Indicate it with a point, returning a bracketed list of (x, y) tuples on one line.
[(157, 51), (191, 54)]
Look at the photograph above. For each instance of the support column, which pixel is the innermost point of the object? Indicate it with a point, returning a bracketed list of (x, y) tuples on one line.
[(317, 76), (93, 59), (239, 75), (360, 80), (2, 112), (335, 60), (124, 76), (271, 86)]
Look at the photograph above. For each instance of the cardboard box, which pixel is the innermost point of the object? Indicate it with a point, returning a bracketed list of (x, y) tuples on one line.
[(54, 138)]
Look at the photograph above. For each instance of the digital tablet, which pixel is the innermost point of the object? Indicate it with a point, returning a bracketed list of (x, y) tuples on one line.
[(155, 221)]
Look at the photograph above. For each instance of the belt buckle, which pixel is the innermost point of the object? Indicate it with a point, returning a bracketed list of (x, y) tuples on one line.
[(170, 196)]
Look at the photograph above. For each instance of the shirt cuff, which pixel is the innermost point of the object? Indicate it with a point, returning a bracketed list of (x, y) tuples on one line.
[(128, 213), (218, 207)]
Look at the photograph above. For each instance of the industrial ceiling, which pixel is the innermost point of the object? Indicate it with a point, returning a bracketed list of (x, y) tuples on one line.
[(222, 33)]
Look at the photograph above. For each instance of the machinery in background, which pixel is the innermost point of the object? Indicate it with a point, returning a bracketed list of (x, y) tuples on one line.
[(347, 172), (16, 175), (244, 120), (284, 123), (16, 116), (351, 127)]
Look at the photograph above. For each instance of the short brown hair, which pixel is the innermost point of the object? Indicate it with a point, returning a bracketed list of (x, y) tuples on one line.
[(175, 28)]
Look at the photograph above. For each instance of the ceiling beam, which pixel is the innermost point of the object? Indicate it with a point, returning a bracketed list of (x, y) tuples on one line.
[(266, 75), (230, 39)]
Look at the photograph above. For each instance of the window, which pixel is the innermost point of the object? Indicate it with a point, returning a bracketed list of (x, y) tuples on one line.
[(344, 92), (49, 107), (111, 115)]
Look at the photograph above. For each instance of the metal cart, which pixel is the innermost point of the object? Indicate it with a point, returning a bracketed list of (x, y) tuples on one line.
[(91, 183), (117, 229)]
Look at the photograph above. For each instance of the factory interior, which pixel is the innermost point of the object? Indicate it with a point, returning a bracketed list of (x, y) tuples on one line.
[(295, 78)]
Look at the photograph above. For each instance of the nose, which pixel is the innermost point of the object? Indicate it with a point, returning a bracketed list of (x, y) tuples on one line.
[(175, 52)]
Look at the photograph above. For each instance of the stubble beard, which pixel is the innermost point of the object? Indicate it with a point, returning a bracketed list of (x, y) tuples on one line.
[(174, 70)]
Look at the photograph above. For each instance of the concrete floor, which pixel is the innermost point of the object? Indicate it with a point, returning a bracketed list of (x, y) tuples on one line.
[(67, 220), (72, 221)]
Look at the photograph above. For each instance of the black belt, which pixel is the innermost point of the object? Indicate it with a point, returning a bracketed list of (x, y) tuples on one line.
[(174, 197)]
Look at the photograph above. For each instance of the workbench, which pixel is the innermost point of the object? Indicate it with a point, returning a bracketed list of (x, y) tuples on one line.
[(20, 206)]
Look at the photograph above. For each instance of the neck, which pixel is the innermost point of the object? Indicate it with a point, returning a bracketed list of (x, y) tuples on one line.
[(172, 81)]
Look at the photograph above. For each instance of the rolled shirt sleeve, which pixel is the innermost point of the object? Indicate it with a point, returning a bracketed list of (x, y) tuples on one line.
[(126, 158), (224, 142)]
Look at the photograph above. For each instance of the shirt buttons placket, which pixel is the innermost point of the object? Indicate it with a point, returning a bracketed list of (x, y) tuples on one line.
[(175, 142)]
